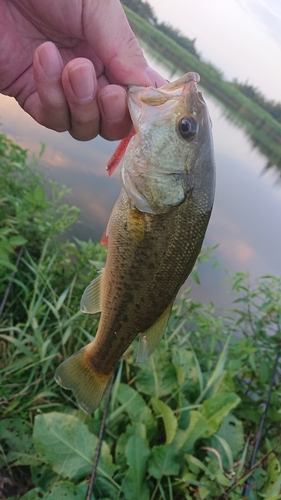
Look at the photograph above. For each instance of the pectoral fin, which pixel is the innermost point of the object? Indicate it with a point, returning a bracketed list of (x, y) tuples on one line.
[(91, 298), (150, 338), (104, 239)]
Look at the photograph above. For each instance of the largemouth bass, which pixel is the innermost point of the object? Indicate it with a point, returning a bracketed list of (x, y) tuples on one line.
[(155, 232)]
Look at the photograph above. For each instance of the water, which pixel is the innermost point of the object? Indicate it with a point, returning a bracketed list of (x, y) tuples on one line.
[(246, 217)]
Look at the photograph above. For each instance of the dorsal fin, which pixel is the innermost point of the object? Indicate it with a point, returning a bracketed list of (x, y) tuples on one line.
[(118, 154)]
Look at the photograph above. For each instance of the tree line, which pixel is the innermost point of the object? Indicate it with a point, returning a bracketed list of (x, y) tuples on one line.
[(272, 107), (144, 10)]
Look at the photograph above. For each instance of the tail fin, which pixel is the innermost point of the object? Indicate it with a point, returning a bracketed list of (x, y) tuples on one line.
[(78, 375)]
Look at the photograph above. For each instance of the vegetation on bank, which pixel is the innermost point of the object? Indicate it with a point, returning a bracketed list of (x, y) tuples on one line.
[(180, 426), (256, 115), (272, 107), (145, 11)]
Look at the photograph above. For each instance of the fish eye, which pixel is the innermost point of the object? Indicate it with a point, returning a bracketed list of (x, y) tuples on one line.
[(188, 127)]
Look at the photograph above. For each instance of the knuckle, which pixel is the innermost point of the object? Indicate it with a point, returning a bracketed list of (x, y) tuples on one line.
[(82, 135)]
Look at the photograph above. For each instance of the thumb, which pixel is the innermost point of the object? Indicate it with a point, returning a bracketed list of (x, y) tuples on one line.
[(110, 35)]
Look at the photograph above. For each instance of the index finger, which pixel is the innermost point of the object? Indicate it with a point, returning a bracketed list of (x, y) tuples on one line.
[(107, 30)]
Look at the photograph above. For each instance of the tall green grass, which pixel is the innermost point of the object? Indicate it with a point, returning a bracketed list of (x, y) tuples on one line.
[(180, 426)]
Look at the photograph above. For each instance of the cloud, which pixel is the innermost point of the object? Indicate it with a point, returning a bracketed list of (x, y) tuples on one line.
[(268, 13)]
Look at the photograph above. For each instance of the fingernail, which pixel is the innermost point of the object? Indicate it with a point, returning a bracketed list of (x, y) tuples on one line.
[(50, 61), (81, 78), (112, 103)]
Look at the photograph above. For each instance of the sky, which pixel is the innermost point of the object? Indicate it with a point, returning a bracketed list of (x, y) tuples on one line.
[(240, 37)]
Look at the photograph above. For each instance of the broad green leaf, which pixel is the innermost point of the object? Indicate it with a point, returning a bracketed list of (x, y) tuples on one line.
[(39, 194), (222, 479), (194, 463), (273, 480), (61, 490), (224, 383), (16, 434), (180, 375), (4, 230), (252, 362), (43, 476), (37, 198), (187, 361), (184, 439), (17, 240), (131, 430), (6, 263), (157, 377), (68, 446), (35, 494), (265, 372), (137, 454), (204, 492), (169, 419), (226, 448), (5, 248), (216, 408), (135, 406), (103, 490), (231, 430), (163, 461)]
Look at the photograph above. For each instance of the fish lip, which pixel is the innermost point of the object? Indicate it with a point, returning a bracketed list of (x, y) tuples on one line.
[(138, 97), (187, 83), (190, 87), (152, 96)]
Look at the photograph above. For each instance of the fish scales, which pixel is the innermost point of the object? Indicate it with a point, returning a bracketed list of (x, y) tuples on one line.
[(155, 232), (131, 298)]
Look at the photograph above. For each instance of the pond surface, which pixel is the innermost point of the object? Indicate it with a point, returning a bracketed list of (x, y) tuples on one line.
[(246, 217)]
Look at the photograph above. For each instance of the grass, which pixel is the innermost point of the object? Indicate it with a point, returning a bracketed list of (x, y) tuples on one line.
[(180, 426)]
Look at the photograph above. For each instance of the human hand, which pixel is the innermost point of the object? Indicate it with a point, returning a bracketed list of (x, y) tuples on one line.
[(67, 63)]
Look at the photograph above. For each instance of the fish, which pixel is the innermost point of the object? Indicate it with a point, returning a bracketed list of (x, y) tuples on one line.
[(154, 233)]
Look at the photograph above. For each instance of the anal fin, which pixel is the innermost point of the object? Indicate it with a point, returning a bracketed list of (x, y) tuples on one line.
[(91, 298), (150, 338)]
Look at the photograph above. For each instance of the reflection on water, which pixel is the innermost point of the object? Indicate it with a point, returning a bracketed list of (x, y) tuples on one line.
[(246, 216), (269, 146), (79, 165)]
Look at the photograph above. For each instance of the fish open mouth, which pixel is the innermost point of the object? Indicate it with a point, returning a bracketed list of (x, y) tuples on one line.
[(147, 104), (187, 83), (190, 86), (156, 96)]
